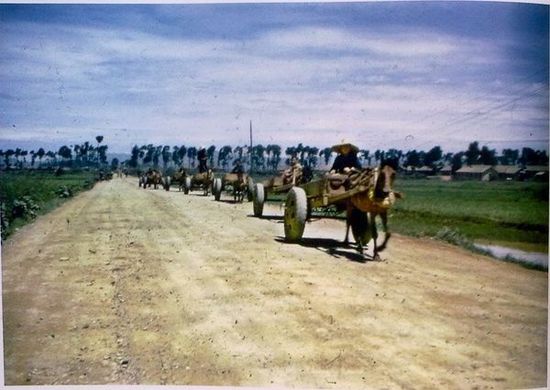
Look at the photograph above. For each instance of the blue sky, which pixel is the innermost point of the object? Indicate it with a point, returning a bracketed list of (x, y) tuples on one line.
[(406, 75)]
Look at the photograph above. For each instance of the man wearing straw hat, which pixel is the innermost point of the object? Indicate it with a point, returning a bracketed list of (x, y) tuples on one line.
[(346, 159)]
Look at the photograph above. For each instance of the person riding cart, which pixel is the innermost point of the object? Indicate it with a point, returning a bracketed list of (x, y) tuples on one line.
[(294, 173), (238, 168), (201, 155), (346, 159)]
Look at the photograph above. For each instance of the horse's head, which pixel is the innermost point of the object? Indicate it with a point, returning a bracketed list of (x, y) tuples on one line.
[(384, 182)]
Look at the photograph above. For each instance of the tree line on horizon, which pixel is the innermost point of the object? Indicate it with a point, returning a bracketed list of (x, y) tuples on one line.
[(261, 158), (85, 155), (268, 158)]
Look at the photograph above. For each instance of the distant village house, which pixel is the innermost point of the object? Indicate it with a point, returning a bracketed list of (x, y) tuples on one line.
[(536, 172), (508, 172), (476, 172)]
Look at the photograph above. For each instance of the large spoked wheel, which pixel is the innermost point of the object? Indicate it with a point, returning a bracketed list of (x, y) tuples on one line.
[(187, 185), (295, 214), (249, 189), (217, 188), (259, 198)]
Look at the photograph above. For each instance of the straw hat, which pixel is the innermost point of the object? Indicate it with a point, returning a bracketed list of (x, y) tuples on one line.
[(338, 147)]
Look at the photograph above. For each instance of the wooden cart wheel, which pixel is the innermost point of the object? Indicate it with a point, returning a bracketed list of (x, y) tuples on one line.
[(249, 188), (217, 188), (295, 214), (259, 198), (187, 185)]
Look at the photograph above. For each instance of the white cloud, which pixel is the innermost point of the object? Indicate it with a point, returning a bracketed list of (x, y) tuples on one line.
[(310, 85)]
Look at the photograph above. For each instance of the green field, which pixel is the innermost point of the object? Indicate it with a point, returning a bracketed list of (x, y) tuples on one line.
[(512, 213), (25, 194)]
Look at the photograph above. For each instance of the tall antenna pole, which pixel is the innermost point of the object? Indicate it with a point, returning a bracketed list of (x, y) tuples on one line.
[(251, 160)]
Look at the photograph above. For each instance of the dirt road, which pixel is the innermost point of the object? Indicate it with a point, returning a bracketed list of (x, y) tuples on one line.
[(131, 286)]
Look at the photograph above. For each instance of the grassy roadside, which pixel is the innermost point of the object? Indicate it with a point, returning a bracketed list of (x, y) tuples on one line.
[(27, 194), (513, 214)]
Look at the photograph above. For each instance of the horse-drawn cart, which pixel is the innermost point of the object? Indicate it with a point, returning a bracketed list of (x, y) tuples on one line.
[(198, 181), (239, 183), (359, 192), (280, 184)]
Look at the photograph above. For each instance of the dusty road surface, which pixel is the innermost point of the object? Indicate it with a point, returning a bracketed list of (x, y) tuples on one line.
[(130, 286)]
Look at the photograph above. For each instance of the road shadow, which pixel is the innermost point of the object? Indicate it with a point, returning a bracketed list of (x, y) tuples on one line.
[(229, 201), (279, 218), (197, 193), (332, 248)]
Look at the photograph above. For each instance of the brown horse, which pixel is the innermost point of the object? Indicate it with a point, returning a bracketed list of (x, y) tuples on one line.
[(179, 177), (201, 180), (152, 177), (363, 208), (240, 187)]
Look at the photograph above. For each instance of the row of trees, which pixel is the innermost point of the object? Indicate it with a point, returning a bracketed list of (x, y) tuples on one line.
[(85, 154), (269, 158), (435, 157), (262, 158)]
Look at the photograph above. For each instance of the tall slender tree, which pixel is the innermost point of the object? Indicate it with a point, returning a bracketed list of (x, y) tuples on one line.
[(472, 154), (157, 151), (176, 156), (40, 153), (7, 156), (257, 157), (312, 159), (433, 156), (33, 157), (210, 152), (99, 139), (166, 155), (66, 154), (509, 157), (326, 153), (274, 156), (192, 156), (182, 152), (224, 156), (290, 152), (457, 160), (133, 163), (487, 156)]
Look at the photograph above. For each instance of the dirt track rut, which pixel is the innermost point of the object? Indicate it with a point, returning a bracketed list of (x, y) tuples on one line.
[(131, 286)]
